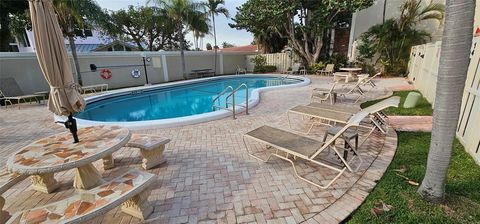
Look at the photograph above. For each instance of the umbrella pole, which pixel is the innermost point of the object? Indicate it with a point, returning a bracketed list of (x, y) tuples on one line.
[(72, 125)]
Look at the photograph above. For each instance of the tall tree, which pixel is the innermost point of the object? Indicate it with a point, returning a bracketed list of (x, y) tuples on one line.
[(143, 25), (215, 8), (7, 8), (184, 14), (75, 15), (303, 23), (452, 73), (200, 28)]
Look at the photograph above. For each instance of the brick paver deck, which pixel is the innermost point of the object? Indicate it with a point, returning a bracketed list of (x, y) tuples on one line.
[(411, 123), (209, 177)]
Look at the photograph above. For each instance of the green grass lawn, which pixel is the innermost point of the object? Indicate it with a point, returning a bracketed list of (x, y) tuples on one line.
[(462, 203), (423, 108)]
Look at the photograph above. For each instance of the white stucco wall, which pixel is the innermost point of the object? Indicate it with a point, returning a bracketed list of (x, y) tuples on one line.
[(364, 19), (26, 71)]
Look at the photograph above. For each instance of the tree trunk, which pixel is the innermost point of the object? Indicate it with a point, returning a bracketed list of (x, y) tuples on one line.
[(182, 54), (4, 32), (73, 47), (454, 60), (215, 40)]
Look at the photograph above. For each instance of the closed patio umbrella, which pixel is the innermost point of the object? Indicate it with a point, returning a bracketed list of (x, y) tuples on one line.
[(65, 98)]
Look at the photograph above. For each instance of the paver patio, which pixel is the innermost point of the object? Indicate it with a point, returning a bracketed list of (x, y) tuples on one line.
[(209, 177)]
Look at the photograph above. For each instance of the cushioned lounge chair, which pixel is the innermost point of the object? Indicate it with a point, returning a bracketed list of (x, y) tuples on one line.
[(289, 146)]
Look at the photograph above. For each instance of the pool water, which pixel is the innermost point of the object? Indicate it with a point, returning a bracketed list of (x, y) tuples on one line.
[(175, 101)]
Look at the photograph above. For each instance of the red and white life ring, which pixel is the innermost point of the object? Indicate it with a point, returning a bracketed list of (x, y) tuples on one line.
[(106, 73)]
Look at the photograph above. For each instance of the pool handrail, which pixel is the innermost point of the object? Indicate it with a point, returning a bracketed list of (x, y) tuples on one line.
[(233, 99), (219, 95)]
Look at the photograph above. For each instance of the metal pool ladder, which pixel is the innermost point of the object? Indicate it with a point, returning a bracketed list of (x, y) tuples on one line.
[(232, 95)]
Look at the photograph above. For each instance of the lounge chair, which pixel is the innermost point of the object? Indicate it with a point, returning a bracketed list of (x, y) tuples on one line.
[(351, 90), (9, 90), (369, 80), (335, 107), (328, 70), (297, 68), (286, 145), (241, 70), (341, 115), (322, 94)]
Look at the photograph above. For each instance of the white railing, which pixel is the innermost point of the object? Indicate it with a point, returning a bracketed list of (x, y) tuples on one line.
[(233, 105)]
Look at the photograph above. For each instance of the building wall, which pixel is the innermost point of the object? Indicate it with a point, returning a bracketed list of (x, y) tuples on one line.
[(364, 19), (164, 66), (340, 45)]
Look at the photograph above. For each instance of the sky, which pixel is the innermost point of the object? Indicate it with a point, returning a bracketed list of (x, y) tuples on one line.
[(224, 32)]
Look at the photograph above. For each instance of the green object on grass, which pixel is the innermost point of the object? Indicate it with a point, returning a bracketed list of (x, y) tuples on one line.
[(412, 100)]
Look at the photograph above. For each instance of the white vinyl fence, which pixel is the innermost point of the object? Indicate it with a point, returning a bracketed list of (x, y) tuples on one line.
[(283, 61), (163, 67), (423, 70)]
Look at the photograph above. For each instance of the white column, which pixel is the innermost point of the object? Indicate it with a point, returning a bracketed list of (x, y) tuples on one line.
[(221, 64), (352, 33), (165, 68)]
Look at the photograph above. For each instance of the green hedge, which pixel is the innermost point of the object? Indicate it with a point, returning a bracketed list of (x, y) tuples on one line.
[(265, 69)]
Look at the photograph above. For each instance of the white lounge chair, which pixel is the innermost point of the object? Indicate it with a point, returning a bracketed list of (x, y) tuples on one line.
[(328, 70), (322, 94), (341, 115), (297, 68), (10, 90), (369, 80), (288, 146), (241, 70)]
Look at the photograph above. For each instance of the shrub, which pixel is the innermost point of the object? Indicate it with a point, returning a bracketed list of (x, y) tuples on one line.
[(339, 60), (315, 68), (270, 68), (259, 61), (265, 69)]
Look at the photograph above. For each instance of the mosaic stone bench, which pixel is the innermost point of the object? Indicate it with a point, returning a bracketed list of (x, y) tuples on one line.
[(7, 180), (151, 147), (129, 190)]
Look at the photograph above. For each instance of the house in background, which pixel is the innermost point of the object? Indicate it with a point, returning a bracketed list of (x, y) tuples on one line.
[(87, 41), (247, 48)]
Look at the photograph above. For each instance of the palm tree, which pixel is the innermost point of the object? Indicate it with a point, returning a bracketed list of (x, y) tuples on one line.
[(75, 14), (185, 14), (215, 9), (454, 60), (393, 39), (199, 28)]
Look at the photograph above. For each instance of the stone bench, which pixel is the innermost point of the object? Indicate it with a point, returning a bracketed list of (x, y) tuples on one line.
[(151, 147), (129, 190), (7, 180)]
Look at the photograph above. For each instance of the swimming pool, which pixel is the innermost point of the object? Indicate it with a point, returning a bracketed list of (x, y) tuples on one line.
[(178, 103)]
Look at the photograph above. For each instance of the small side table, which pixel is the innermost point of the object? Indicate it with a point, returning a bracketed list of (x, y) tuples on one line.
[(347, 137)]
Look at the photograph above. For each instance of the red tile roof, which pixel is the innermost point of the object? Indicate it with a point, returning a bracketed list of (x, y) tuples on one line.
[(247, 48)]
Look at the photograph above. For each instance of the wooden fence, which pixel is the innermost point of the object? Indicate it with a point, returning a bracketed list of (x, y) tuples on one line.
[(283, 61), (423, 70)]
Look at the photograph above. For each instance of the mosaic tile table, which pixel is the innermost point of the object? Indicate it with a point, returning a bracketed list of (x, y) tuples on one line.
[(57, 153)]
